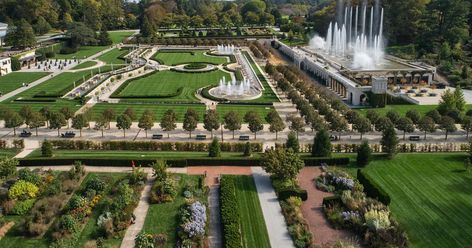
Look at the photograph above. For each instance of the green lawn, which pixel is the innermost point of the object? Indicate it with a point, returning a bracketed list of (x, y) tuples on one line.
[(268, 95), (158, 109), (253, 226), (54, 106), (241, 109), (83, 154), (168, 82), (163, 218), (185, 57), (83, 52), (403, 108), (85, 64), (8, 152), (114, 56), (15, 80), (431, 197), (119, 36)]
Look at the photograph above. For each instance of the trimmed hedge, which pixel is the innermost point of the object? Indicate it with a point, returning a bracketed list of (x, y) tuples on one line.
[(329, 161), (195, 66), (372, 189), (194, 72), (206, 93), (285, 194), (174, 94), (229, 213), (149, 146), (331, 201)]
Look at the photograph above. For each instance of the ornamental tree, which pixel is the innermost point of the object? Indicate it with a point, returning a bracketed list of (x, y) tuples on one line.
[(427, 125), (276, 124), (232, 121), (321, 144), (211, 121), (168, 121), (281, 163), (254, 122), (123, 122)]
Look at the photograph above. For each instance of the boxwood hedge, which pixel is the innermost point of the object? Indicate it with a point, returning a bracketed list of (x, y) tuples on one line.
[(229, 213)]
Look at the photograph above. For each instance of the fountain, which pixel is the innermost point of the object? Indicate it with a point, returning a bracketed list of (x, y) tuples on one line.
[(225, 49), (344, 40), (235, 90)]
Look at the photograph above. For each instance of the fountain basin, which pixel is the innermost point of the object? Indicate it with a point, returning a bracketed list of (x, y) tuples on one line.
[(188, 68), (250, 94)]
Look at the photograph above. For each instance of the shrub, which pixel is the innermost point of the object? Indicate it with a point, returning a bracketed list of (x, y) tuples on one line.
[(8, 167), (247, 149), (137, 176), (46, 149), (372, 189), (76, 202), (363, 154), (377, 219), (96, 184), (214, 149), (68, 223), (23, 207), (28, 175), (163, 191), (144, 240), (23, 190)]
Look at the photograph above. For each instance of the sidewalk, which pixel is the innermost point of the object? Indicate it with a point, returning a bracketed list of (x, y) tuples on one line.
[(275, 221)]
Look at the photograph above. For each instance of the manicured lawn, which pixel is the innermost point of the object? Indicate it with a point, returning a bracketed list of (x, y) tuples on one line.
[(402, 109), (168, 82), (185, 57), (253, 226), (114, 56), (15, 80), (163, 218), (78, 154), (431, 197), (83, 52), (8, 152), (262, 110), (158, 109), (119, 36), (54, 106), (85, 64)]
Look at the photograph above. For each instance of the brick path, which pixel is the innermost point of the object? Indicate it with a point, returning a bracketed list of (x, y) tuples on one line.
[(312, 210)]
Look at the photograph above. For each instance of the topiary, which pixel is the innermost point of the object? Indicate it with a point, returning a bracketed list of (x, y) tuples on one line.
[(46, 149), (214, 149)]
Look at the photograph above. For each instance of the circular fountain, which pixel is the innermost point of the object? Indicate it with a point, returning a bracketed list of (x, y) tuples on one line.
[(236, 90), (225, 49)]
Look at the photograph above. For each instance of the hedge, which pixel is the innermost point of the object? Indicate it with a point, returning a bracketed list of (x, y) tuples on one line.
[(372, 189), (206, 93), (174, 94), (229, 213), (328, 161), (285, 194), (182, 71), (149, 146), (331, 201)]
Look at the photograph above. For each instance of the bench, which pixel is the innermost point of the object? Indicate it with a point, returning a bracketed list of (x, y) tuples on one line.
[(244, 137)]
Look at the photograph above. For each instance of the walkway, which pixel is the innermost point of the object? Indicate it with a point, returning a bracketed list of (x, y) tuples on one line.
[(312, 209), (30, 146), (275, 221), (140, 212)]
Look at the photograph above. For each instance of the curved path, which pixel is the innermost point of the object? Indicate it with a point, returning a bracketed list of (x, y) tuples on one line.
[(312, 210)]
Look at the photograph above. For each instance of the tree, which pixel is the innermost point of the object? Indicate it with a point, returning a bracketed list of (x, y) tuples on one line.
[(276, 124), (41, 26), (13, 120), (247, 149), (281, 163), (389, 142), (254, 122), (101, 124), (363, 154), (130, 112), (426, 125), (414, 116), (448, 125), (214, 150), (467, 125), (46, 149), (232, 121), (68, 113), (168, 120), (394, 116), (79, 122), (338, 124), (8, 167), (321, 144), (190, 121), (434, 115), (37, 120), (146, 121), (382, 124), (26, 113), (123, 122), (104, 38), (21, 35), (57, 121), (447, 102), (372, 115), (362, 125), (46, 113), (108, 115), (292, 142), (211, 121), (147, 29), (79, 34), (297, 124), (459, 99), (406, 125)]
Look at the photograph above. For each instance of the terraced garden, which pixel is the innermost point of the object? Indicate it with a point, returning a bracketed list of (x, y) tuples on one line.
[(431, 197), (169, 86), (15, 80), (185, 57)]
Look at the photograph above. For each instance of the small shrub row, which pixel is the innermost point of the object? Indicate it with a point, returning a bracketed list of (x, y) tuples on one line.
[(205, 71), (372, 189), (327, 161), (206, 93), (229, 213)]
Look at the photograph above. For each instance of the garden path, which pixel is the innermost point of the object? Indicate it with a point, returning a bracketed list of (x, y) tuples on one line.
[(274, 220), (30, 146), (312, 209), (140, 212)]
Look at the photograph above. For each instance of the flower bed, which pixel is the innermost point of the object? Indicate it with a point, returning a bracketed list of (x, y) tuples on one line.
[(351, 209), (195, 66), (297, 225)]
